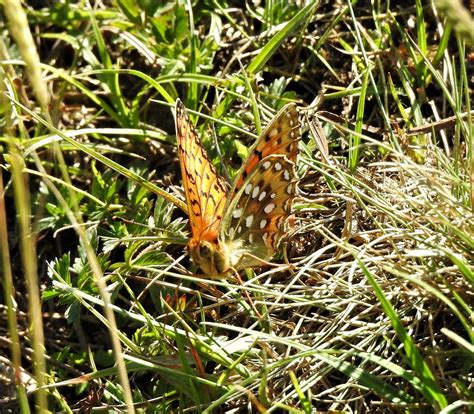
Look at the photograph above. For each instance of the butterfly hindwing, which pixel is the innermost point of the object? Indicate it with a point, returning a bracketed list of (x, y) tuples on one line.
[(258, 213)]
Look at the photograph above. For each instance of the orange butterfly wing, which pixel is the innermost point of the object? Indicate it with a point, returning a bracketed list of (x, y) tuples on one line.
[(205, 191)]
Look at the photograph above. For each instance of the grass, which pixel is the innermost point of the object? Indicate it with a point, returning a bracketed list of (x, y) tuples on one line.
[(103, 309)]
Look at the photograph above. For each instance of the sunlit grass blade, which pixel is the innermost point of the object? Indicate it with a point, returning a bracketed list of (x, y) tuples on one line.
[(430, 387)]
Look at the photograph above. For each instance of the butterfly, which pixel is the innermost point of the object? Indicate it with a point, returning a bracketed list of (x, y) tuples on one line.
[(241, 227)]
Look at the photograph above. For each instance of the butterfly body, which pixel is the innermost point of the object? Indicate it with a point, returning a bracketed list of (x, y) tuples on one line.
[(242, 227)]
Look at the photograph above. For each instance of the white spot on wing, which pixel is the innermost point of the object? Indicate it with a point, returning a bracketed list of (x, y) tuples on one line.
[(286, 175), (249, 221), (237, 213), (263, 223), (251, 238), (269, 208), (272, 195), (278, 166), (266, 165), (262, 195), (248, 188), (255, 191)]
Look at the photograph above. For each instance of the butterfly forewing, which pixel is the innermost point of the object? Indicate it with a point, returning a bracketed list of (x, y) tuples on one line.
[(279, 137), (205, 191)]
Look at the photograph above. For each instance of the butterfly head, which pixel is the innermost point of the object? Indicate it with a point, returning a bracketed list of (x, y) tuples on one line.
[(208, 255)]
